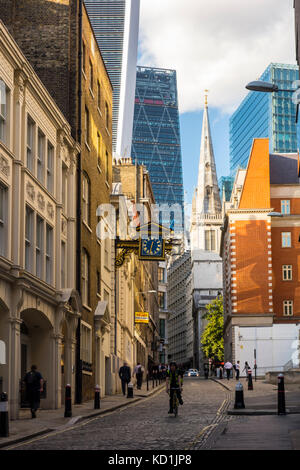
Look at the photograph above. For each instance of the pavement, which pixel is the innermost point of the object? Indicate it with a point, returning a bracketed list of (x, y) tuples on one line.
[(26, 428), (262, 400), (258, 426)]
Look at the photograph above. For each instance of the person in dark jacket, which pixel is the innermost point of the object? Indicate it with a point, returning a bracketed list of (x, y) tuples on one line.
[(125, 376), (34, 387)]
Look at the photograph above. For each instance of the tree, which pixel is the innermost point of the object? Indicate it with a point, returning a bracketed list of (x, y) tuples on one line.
[(212, 338)]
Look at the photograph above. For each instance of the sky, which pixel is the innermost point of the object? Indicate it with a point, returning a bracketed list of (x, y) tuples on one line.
[(216, 45)]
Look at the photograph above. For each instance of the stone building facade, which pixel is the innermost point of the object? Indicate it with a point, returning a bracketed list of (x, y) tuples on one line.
[(39, 304), (136, 280), (180, 306), (57, 39)]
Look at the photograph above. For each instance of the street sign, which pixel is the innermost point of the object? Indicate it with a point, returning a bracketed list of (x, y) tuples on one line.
[(141, 317), (2, 353)]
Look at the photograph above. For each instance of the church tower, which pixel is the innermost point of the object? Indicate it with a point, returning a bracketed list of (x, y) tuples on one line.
[(207, 208), (205, 234)]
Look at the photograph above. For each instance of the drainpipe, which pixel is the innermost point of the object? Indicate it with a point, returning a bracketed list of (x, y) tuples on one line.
[(78, 378)]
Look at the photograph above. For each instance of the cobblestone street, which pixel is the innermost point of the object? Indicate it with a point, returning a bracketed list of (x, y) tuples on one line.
[(145, 425)]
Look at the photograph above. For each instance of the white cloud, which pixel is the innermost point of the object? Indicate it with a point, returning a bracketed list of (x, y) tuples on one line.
[(216, 44)]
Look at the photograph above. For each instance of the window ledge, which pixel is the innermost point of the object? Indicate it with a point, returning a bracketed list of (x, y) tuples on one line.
[(83, 73), (87, 226), (107, 184), (85, 372), (99, 169), (91, 92), (99, 111), (99, 296), (87, 307), (107, 130), (87, 146)]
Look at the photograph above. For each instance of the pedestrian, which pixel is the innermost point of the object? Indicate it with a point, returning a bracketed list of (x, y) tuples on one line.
[(228, 367), (237, 370), (34, 386), (125, 376), (138, 372), (206, 371), (246, 369)]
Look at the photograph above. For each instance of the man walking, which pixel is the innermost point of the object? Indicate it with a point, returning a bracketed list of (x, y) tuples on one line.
[(34, 387), (237, 370), (138, 372), (228, 366), (125, 376)]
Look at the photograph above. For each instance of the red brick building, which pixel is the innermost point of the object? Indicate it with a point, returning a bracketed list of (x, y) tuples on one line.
[(260, 248)]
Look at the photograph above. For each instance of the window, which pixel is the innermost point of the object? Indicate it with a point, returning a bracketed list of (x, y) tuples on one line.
[(86, 343), (106, 165), (3, 219), (91, 76), (39, 246), (98, 95), (98, 150), (87, 126), (161, 275), (162, 299), (106, 299), (98, 283), (30, 144), (41, 156), (210, 240), (287, 308), (49, 253), (83, 56), (286, 239), (28, 239), (63, 265), (106, 252), (162, 328), (286, 206), (106, 116), (64, 187), (50, 176), (85, 278), (3, 110), (86, 199), (287, 272)]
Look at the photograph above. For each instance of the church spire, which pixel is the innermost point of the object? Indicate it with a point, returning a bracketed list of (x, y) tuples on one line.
[(208, 197)]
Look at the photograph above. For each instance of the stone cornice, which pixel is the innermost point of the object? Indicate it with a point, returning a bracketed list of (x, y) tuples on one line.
[(249, 211)]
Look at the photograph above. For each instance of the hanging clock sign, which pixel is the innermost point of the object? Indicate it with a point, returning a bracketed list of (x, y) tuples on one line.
[(152, 249)]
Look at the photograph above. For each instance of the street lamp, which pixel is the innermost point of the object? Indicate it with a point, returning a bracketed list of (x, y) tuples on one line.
[(267, 87)]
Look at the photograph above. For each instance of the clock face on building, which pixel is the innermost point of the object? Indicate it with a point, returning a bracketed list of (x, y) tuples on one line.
[(152, 248)]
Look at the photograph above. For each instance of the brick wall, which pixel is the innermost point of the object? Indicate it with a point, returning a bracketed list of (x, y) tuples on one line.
[(46, 31), (252, 266)]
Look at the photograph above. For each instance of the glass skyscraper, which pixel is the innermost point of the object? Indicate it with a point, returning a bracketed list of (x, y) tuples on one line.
[(262, 115), (156, 133), (226, 185), (116, 26)]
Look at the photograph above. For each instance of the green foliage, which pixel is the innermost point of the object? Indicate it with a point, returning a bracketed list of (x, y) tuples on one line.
[(212, 338)]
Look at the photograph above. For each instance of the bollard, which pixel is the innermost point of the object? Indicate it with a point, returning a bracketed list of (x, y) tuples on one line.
[(97, 398), (250, 382), (68, 402), (221, 375), (239, 396), (130, 390), (147, 381), (4, 427), (281, 395)]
